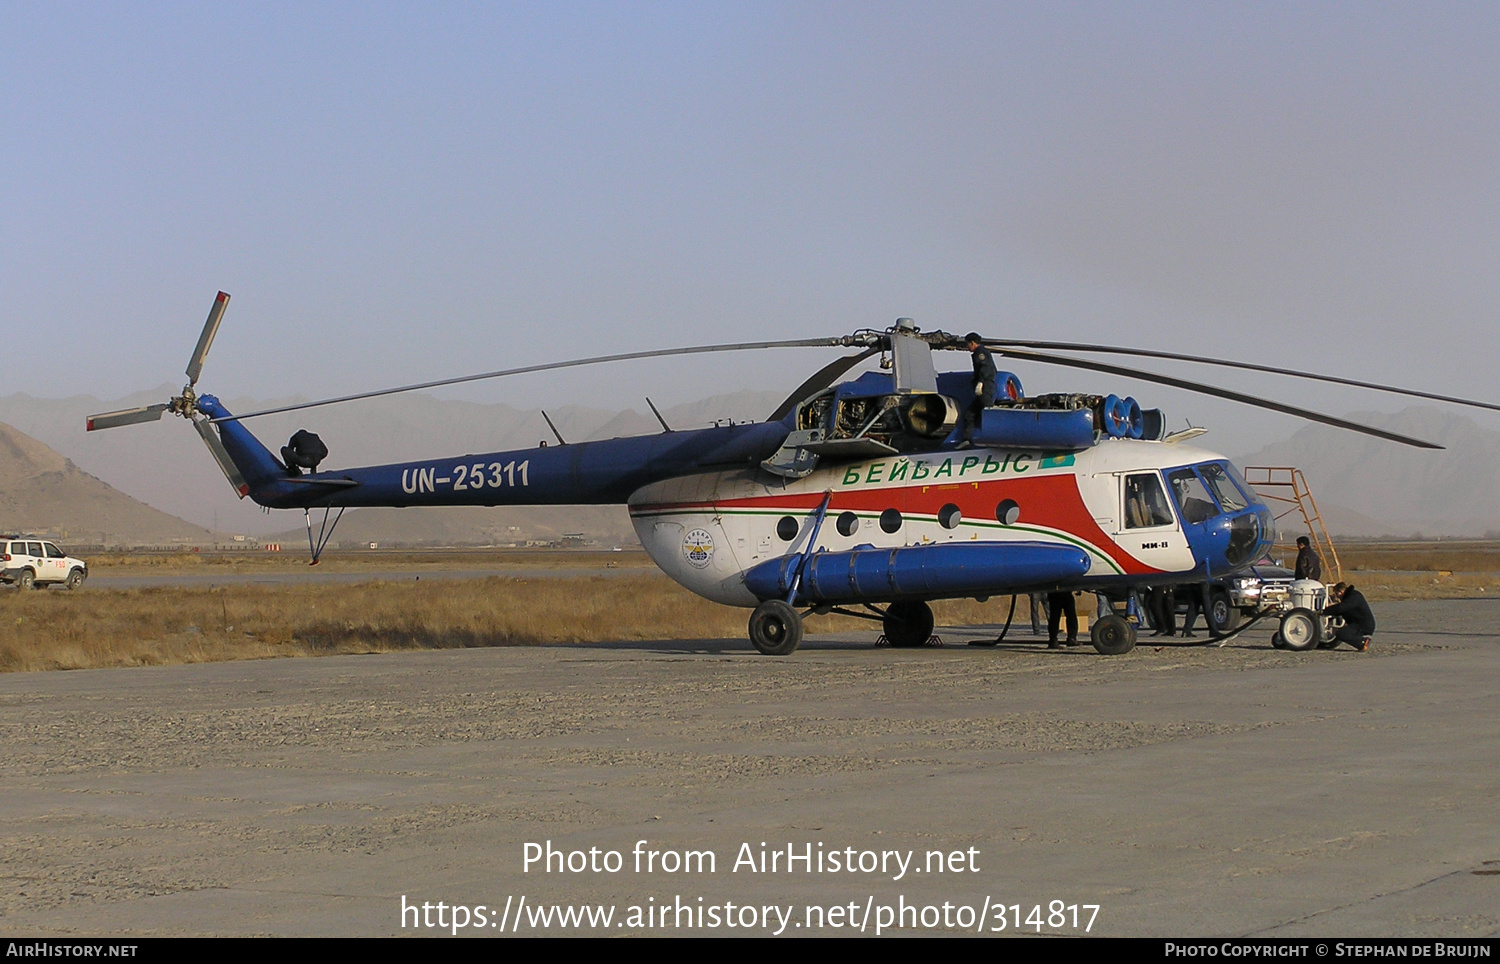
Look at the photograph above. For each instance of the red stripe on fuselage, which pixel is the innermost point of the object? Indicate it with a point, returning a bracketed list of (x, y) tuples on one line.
[(1050, 501)]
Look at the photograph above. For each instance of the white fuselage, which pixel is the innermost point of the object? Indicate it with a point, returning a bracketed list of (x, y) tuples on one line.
[(706, 530)]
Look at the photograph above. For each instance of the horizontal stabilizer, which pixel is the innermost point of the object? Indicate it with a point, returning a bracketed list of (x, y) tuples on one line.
[(336, 483)]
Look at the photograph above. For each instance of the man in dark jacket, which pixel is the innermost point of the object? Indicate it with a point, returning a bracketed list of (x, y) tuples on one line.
[(1359, 622), (1309, 566), (984, 386), (1060, 604)]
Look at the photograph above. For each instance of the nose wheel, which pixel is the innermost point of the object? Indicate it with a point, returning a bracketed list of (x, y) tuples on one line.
[(1113, 635), (1222, 617), (775, 628)]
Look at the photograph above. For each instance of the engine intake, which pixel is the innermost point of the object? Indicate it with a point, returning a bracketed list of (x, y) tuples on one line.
[(930, 416)]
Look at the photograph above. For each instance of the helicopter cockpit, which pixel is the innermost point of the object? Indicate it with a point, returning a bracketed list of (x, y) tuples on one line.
[(1226, 525)]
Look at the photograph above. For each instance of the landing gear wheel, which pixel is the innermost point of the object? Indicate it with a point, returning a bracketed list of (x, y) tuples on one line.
[(26, 580), (1113, 635), (75, 579), (1276, 642), (1299, 630), (1222, 617), (775, 628), (908, 624)]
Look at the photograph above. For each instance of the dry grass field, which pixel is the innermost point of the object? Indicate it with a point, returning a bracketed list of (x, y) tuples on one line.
[(415, 561), (135, 627), (1418, 570), (1420, 556), (132, 627)]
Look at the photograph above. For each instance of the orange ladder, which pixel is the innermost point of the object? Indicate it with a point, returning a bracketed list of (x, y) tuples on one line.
[(1285, 485)]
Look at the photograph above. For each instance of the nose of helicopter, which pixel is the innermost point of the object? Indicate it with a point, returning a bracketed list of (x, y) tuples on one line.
[(1233, 540)]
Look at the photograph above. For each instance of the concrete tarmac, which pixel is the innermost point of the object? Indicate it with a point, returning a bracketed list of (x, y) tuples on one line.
[(1185, 791)]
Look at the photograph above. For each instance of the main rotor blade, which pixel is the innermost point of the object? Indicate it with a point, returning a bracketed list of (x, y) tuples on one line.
[(842, 340), (127, 416), (818, 381), (221, 455), (1247, 366), (206, 340), (1203, 389)]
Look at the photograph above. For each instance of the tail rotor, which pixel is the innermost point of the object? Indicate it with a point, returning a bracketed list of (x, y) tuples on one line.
[(186, 404)]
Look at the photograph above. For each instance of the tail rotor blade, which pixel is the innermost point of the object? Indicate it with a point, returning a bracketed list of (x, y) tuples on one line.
[(128, 416), (206, 340), (221, 455)]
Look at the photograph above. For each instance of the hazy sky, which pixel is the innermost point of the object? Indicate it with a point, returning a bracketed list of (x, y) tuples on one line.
[(394, 193)]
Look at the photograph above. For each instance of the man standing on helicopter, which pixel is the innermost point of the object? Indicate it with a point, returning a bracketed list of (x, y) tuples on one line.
[(984, 387)]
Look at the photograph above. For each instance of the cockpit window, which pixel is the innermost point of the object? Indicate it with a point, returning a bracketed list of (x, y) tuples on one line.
[(1192, 497), (1223, 487), (1145, 502)]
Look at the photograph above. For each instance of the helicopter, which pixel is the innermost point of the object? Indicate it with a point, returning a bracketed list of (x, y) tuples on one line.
[(852, 497)]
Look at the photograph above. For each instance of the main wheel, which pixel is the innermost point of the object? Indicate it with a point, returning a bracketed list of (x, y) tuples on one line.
[(75, 579), (1113, 635), (1276, 642), (775, 628), (908, 623), (1300, 630), (1222, 617), (26, 580)]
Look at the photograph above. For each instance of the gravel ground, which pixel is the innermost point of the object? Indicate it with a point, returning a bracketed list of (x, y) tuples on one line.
[(1186, 790)]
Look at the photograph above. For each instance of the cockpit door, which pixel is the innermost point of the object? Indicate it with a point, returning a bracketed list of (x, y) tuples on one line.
[(1147, 527)]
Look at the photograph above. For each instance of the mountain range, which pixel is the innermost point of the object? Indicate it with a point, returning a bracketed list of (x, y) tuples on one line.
[(1363, 486), (43, 493)]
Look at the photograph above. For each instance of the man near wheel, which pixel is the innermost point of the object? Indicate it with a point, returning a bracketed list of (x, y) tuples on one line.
[(1059, 605), (1359, 622)]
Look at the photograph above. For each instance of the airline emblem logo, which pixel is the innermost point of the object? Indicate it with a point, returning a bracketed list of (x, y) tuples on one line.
[(698, 548)]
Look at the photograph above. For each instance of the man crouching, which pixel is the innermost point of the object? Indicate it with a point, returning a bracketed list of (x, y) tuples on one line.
[(1359, 622)]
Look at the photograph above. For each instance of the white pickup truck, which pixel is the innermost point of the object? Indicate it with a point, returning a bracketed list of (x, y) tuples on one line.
[(30, 563)]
